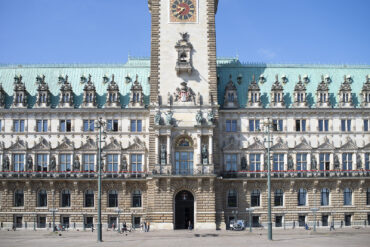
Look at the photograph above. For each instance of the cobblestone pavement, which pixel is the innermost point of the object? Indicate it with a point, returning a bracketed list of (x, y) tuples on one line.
[(298, 237)]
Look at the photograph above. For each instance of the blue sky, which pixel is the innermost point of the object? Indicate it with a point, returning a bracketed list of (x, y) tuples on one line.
[(106, 31)]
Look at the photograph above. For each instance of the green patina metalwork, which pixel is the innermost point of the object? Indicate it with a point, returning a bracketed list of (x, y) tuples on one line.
[(225, 68)]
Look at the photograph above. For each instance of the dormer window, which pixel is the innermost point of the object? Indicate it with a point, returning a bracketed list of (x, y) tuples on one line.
[(183, 57), (345, 92), (43, 97), (231, 98), (137, 96), (322, 92), (66, 99), (113, 99), (300, 94), (19, 98), (277, 93), (184, 49), (365, 93), (2, 95), (254, 94), (89, 92), (20, 92)]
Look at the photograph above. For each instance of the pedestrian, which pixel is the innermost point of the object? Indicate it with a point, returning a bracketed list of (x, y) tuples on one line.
[(190, 227), (145, 226), (148, 226), (113, 227)]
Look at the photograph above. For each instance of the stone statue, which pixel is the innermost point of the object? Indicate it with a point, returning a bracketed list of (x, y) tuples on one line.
[(6, 163), (358, 162), (169, 118), (199, 98), (265, 166), (53, 164), (313, 163), (211, 117), (124, 163), (199, 117), (290, 163), (243, 163), (29, 163), (157, 118), (76, 164), (336, 162), (163, 154), (204, 155)]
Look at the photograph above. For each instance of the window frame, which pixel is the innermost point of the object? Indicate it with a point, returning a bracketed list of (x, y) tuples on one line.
[(63, 194), (136, 195), (325, 194), (302, 196), (230, 166), (17, 162), (232, 198), (65, 125), (18, 198), (136, 125), (135, 163), (300, 125), (42, 198), (278, 198), (90, 162), (88, 125), (347, 197), (42, 125), (112, 202), (256, 198), (89, 198), (255, 162)]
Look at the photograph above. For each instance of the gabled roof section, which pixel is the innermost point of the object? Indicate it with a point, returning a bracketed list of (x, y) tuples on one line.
[(18, 144), (65, 144), (303, 145), (137, 145), (89, 145), (256, 145), (326, 145), (113, 145), (349, 145), (280, 145), (42, 144)]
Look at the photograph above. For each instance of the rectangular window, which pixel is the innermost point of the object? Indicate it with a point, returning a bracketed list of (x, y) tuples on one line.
[(255, 162), (301, 220), (346, 125), (300, 125), (65, 125), (136, 162), (65, 162), (136, 126), (301, 162), (367, 161), (112, 125), (18, 125), (18, 162), (112, 160), (88, 161), (230, 160), (347, 161), (278, 162), (41, 125), (277, 125), (231, 125), (324, 161), (42, 162), (88, 125), (0, 125), (366, 125), (323, 125), (254, 125)]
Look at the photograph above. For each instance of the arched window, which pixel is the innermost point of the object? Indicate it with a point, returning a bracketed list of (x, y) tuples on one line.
[(89, 198), (183, 142), (112, 199), (302, 197), (255, 198), (42, 198), (18, 198), (65, 200), (325, 197), (279, 197), (232, 199), (136, 199), (347, 196)]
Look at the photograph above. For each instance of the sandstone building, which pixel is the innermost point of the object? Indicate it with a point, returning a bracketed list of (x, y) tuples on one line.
[(184, 139)]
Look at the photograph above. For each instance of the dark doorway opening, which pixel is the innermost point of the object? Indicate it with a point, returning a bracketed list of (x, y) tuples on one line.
[(184, 210)]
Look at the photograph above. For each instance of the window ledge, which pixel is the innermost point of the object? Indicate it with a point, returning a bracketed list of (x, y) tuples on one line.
[(65, 207), (349, 206), (18, 207), (88, 208), (41, 208)]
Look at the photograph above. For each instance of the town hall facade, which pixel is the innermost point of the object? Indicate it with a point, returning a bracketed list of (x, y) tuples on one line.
[(185, 136)]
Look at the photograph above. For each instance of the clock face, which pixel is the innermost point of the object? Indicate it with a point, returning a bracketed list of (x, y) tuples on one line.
[(183, 10)]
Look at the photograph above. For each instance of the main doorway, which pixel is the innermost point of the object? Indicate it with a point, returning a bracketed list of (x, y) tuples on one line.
[(184, 210)]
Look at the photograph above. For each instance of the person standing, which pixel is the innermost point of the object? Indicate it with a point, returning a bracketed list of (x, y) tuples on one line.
[(148, 226)]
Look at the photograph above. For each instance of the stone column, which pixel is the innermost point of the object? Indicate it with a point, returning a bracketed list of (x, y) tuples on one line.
[(309, 165), (210, 149), (169, 149), (331, 161), (199, 145)]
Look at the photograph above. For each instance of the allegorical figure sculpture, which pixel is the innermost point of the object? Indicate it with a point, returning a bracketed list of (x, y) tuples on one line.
[(313, 163), (29, 163), (169, 118), (6, 163), (290, 163), (204, 155), (163, 154), (76, 164), (157, 118), (358, 162), (336, 162), (53, 164), (199, 118), (243, 163), (124, 163), (211, 117)]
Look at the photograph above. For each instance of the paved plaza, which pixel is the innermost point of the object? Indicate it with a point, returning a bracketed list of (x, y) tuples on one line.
[(323, 237)]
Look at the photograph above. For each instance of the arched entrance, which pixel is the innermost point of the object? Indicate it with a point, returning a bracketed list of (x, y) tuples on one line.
[(184, 209)]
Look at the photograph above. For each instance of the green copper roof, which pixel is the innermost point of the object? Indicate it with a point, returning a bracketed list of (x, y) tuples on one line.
[(225, 68)]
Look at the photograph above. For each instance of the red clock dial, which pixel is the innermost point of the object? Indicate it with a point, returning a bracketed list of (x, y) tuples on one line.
[(183, 9)]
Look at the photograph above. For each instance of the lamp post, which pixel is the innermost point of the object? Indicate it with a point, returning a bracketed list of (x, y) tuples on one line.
[(100, 125), (268, 125), (250, 211), (118, 223), (34, 222)]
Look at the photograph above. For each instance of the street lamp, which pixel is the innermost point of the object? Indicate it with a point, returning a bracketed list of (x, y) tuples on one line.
[(53, 210), (268, 125), (100, 125), (250, 211), (118, 224)]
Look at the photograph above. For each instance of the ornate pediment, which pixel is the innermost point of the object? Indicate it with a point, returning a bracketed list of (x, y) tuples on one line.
[(280, 145), (366, 147), (43, 144), (326, 145), (303, 145), (18, 144), (89, 145), (65, 144), (113, 145), (349, 145), (256, 145), (232, 145), (136, 145)]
